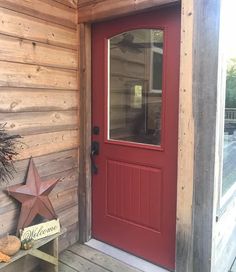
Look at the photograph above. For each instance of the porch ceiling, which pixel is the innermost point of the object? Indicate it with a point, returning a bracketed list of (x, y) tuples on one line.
[(95, 10)]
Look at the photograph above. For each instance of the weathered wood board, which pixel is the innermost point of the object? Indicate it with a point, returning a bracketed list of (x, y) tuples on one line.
[(36, 100), (90, 10), (39, 99), (35, 76), (47, 143), (26, 27), (32, 52), (48, 10), (39, 122), (69, 3)]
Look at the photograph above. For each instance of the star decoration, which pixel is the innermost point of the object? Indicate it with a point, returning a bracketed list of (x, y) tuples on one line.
[(33, 197)]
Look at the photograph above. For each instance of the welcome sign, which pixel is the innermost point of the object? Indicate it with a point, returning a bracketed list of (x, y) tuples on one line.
[(40, 230)]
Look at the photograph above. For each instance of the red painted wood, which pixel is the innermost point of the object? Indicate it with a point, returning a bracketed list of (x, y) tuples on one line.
[(134, 192)]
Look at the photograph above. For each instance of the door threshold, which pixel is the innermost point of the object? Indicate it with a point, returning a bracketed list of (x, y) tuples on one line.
[(125, 257)]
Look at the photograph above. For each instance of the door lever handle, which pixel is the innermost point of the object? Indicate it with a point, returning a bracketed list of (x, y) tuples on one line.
[(95, 148), (94, 152)]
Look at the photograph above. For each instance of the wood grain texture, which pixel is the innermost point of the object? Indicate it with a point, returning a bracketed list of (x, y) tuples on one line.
[(42, 144), (205, 78), (69, 216), (65, 268), (69, 3), (82, 3), (26, 27), (24, 51), (69, 238), (9, 219), (63, 197), (28, 263), (29, 100), (39, 99), (101, 259), (57, 165), (185, 184), (85, 133), (63, 200), (39, 122), (79, 263), (48, 10), (34, 76), (68, 181), (99, 10), (52, 249)]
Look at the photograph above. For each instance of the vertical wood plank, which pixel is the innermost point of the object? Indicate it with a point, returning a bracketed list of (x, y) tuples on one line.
[(205, 78), (185, 144), (85, 133), (52, 249)]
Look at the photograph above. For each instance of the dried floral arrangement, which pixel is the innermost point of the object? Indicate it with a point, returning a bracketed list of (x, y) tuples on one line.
[(7, 153)]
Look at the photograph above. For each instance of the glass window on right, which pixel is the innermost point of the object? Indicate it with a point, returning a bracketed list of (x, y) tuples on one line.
[(229, 143)]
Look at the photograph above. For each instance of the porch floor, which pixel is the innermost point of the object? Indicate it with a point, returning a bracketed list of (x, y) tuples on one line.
[(83, 258)]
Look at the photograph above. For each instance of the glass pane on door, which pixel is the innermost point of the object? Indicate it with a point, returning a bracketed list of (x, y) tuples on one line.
[(229, 158), (135, 86)]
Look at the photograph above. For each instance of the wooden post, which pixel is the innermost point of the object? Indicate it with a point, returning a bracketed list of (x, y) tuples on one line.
[(205, 79), (49, 253), (185, 184), (85, 134)]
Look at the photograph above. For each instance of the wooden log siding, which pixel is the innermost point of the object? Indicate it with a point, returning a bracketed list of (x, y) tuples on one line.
[(36, 100), (48, 10), (26, 27), (31, 52), (39, 99)]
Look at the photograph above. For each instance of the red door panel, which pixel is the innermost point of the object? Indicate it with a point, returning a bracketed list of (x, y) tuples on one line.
[(134, 190)]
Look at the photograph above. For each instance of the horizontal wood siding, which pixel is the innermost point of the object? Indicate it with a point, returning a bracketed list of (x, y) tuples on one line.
[(34, 76), (31, 28), (49, 10), (39, 100), (31, 52), (28, 99)]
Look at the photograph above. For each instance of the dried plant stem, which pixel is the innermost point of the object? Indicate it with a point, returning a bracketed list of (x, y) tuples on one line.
[(7, 153)]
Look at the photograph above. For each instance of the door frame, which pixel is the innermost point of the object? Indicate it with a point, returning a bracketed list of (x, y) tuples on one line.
[(185, 179)]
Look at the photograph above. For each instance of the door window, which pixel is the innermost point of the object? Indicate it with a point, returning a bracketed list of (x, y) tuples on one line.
[(135, 71), (229, 153)]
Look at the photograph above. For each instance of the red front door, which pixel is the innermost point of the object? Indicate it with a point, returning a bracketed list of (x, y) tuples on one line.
[(135, 122)]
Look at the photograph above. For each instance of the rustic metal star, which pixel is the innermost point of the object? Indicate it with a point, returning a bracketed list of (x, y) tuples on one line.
[(33, 197)]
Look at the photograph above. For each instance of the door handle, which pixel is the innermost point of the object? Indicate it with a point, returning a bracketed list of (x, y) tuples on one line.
[(95, 148), (94, 152)]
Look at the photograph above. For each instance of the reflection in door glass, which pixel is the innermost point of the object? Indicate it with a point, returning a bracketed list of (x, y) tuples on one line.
[(229, 159), (135, 86)]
